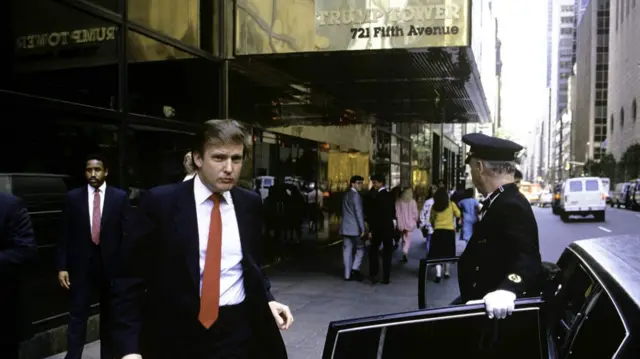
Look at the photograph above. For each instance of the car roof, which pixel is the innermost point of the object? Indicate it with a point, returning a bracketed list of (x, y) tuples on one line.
[(584, 178), (619, 257)]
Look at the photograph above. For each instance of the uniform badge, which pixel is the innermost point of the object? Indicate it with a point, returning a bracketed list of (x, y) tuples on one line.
[(514, 278)]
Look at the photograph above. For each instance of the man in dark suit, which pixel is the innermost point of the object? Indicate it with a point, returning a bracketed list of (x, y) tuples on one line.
[(90, 235), (191, 285), (502, 260), (17, 250), (382, 225)]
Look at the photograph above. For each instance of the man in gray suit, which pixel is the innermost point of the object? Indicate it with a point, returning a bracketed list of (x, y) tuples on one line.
[(353, 230)]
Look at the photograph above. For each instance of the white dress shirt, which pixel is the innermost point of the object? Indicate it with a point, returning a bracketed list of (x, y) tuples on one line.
[(91, 191), (231, 276)]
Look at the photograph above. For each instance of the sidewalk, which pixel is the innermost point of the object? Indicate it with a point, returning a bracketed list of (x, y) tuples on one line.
[(313, 288)]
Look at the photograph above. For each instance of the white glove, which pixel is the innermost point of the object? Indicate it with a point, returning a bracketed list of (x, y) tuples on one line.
[(499, 304), (132, 356)]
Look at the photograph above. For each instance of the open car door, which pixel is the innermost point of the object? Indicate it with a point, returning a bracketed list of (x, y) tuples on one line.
[(462, 331)]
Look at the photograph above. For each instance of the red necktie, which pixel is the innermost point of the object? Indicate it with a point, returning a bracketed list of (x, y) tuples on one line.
[(210, 297), (95, 223)]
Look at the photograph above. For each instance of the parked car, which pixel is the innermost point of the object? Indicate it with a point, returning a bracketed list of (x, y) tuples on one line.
[(591, 311), (621, 194)]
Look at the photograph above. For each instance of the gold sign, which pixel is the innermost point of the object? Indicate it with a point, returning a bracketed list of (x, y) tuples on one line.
[(63, 38), (285, 26)]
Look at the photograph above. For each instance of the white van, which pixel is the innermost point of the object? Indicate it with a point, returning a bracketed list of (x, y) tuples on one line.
[(583, 196)]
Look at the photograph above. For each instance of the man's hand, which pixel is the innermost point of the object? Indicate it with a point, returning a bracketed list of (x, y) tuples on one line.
[(132, 356), (63, 279), (499, 304), (281, 314)]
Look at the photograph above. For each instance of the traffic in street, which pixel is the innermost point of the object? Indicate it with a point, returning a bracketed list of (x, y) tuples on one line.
[(317, 295)]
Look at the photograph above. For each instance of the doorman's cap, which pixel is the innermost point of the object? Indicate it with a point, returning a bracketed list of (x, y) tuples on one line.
[(490, 148)]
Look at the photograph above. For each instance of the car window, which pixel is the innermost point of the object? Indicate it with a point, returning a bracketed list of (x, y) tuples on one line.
[(592, 185), (577, 291), (577, 287), (40, 193), (575, 186), (600, 310)]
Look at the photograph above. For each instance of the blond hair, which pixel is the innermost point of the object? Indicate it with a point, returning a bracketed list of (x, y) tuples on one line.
[(187, 162), (407, 195)]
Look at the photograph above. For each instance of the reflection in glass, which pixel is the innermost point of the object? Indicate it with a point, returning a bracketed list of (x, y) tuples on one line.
[(168, 83), (175, 18), (57, 48)]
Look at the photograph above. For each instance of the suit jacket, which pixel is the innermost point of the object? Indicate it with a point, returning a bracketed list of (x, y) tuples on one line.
[(352, 214), (17, 252), (383, 212), (504, 251), (156, 292), (75, 245)]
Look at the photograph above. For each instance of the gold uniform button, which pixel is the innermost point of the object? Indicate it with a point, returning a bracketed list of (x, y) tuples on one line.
[(477, 269), (514, 278), (474, 285)]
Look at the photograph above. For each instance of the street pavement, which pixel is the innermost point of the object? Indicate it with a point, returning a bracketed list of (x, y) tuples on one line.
[(313, 288)]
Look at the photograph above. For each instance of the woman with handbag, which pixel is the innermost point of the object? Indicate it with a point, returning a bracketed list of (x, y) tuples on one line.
[(443, 240)]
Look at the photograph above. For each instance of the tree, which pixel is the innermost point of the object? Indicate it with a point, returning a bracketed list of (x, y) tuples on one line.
[(608, 167), (631, 162), (591, 168)]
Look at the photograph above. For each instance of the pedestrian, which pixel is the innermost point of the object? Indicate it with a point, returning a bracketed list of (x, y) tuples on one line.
[(381, 223), (91, 231), (193, 257), (502, 260), (470, 207), (407, 219), (353, 230), (443, 240)]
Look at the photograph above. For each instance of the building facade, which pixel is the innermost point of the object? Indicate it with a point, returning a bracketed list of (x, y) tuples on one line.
[(562, 53), (624, 77), (592, 65), (135, 79)]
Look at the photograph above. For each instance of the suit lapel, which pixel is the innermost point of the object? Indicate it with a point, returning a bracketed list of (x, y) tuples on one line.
[(243, 218), (84, 205), (186, 228), (108, 204)]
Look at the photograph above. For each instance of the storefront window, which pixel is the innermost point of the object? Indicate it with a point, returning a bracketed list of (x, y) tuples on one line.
[(405, 152), (395, 149), (154, 157), (382, 149), (405, 176), (167, 83), (44, 150), (57, 49), (395, 176)]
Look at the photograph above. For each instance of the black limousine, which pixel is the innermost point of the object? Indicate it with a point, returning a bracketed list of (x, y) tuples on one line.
[(591, 311)]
